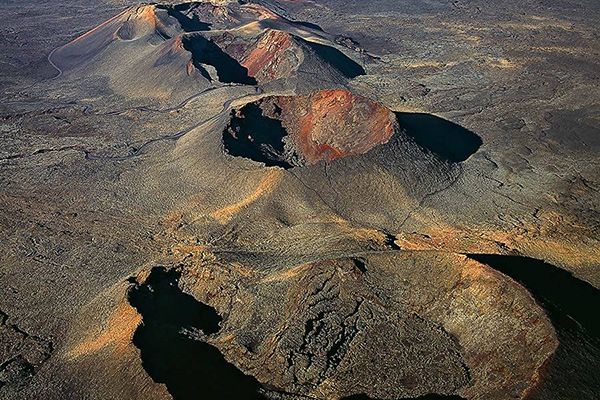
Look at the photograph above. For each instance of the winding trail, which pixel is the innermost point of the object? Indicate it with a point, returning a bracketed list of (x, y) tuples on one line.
[(88, 112), (90, 156), (60, 71), (225, 108), (88, 107)]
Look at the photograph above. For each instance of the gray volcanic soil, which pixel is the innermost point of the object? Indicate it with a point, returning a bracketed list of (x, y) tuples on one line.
[(299, 200)]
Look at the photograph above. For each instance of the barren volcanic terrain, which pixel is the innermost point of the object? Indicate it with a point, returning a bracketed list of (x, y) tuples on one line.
[(300, 199)]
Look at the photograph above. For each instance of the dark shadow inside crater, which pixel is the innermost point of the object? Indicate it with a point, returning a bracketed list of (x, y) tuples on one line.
[(250, 134), (188, 24), (331, 55), (228, 69), (447, 140), (190, 368), (572, 306)]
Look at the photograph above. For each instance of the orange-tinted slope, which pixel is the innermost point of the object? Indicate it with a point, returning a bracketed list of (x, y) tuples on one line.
[(236, 39), (134, 23)]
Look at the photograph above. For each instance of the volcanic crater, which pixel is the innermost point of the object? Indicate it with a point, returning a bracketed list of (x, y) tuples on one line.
[(371, 263), (175, 48), (299, 130), (288, 131)]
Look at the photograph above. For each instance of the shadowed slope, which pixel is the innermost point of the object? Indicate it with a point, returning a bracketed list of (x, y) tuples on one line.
[(188, 23), (337, 59), (448, 140), (252, 135), (228, 69), (140, 54), (272, 53), (571, 304), (189, 367), (236, 39)]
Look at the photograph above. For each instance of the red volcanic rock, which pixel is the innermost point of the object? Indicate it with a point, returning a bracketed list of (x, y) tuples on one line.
[(236, 39), (139, 22), (322, 126), (272, 54), (269, 58), (337, 123)]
